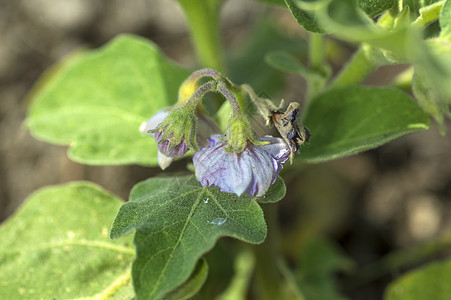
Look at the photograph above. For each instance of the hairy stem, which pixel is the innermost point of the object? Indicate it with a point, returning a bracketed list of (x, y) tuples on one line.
[(222, 88), (206, 72), (194, 100)]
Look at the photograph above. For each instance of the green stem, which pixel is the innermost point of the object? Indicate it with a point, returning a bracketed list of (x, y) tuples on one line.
[(316, 52), (356, 70), (203, 17), (315, 84), (268, 281)]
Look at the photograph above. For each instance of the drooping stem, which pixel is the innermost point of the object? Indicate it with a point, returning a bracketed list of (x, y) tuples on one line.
[(268, 280), (193, 101), (206, 72), (203, 19), (222, 88)]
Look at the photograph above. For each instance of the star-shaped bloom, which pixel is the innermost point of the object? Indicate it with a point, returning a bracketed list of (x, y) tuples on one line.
[(252, 170)]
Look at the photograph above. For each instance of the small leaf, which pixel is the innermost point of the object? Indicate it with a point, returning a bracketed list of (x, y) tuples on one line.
[(445, 19), (285, 62), (428, 282), (56, 246), (305, 18), (374, 8), (276, 192), (248, 61), (97, 102), (177, 221), (347, 120), (319, 261), (190, 287)]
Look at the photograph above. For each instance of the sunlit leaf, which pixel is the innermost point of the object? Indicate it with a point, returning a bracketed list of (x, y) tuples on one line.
[(56, 246), (97, 102), (177, 221), (347, 120)]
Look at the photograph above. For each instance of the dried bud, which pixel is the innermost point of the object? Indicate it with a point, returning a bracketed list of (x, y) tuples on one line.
[(291, 128)]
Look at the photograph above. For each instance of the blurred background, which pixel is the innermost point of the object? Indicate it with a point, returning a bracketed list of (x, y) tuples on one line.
[(370, 204)]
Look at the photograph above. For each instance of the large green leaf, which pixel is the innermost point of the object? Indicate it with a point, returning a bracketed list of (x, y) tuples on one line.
[(347, 120), (429, 282), (57, 247), (176, 221), (97, 102)]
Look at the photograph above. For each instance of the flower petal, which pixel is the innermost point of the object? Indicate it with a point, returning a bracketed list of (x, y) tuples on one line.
[(252, 171)]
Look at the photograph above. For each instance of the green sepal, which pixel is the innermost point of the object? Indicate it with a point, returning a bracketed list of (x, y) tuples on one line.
[(239, 133), (180, 125)]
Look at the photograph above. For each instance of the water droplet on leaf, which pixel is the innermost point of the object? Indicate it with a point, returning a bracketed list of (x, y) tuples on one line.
[(206, 200), (218, 221)]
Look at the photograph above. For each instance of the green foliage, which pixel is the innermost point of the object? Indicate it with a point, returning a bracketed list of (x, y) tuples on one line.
[(347, 120), (246, 65), (320, 259), (374, 8), (428, 282), (305, 17), (57, 247), (177, 221), (286, 62), (97, 102), (190, 287), (445, 20)]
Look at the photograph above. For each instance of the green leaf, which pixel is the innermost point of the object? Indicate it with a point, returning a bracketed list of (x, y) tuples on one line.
[(247, 62), (347, 120), (445, 19), (286, 62), (177, 221), (305, 17), (97, 102), (56, 246), (428, 282), (374, 8), (192, 285), (319, 261), (244, 267)]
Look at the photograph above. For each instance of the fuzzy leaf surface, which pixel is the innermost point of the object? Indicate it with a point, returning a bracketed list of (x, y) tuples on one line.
[(56, 246), (177, 221), (97, 102), (348, 120)]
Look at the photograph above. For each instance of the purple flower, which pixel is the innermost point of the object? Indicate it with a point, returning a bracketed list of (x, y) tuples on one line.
[(164, 145), (252, 171), (166, 155)]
